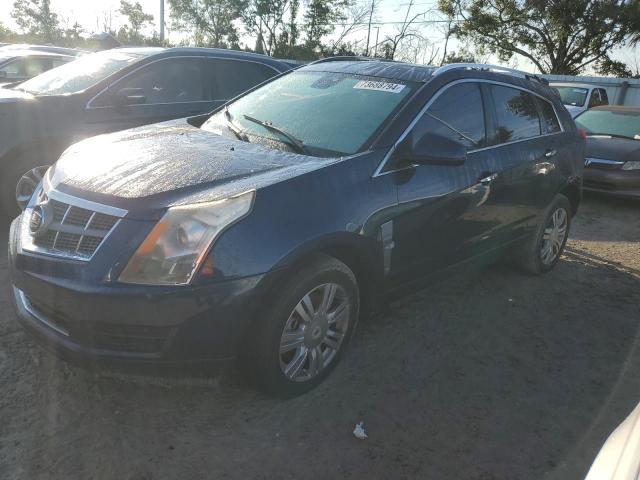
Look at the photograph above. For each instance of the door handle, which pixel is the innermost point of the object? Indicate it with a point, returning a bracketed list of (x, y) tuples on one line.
[(550, 153), (487, 178)]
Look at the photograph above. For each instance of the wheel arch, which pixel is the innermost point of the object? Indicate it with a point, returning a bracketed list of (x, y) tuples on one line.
[(574, 193)]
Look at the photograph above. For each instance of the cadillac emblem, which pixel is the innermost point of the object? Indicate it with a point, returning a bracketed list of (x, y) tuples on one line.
[(41, 217)]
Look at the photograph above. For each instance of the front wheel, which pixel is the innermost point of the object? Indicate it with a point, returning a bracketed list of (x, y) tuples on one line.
[(543, 250), (302, 337)]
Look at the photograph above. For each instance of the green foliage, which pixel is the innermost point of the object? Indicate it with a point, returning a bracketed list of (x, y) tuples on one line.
[(558, 36), (35, 17), (211, 20), (320, 18), (137, 19)]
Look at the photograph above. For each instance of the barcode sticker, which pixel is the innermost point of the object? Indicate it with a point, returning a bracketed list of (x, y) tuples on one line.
[(379, 86)]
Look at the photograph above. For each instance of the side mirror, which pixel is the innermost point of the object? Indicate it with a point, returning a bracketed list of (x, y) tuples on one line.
[(129, 96), (432, 149)]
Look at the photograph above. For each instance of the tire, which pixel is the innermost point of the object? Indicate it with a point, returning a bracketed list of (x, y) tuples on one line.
[(312, 282), (533, 256), (11, 174)]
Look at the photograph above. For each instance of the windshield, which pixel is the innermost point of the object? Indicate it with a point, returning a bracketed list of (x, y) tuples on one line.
[(80, 74), (605, 122), (325, 113), (573, 96)]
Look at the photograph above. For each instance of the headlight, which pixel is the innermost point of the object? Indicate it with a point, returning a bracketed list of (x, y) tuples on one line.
[(631, 166), (174, 250)]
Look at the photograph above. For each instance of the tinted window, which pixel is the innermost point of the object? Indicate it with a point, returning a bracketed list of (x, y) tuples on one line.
[(229, 78), (457, 114), (604, 97), (516, 114), (168, 81), (551, 124)]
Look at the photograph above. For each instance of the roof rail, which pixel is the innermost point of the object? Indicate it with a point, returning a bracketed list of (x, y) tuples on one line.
[(350, 58), (490, 68)]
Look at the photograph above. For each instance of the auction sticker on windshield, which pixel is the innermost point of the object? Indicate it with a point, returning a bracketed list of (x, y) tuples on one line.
[(379, 86)]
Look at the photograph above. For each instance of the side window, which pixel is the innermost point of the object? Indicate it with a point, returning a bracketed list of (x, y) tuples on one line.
[(516, 114), (26, 67), (604, 98), (595, 98), (458, 114), (550, 119), (229, 78), (168, 81)]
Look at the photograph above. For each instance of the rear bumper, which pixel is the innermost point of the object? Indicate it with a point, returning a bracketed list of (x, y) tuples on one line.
[(620, 183), (135, 324)]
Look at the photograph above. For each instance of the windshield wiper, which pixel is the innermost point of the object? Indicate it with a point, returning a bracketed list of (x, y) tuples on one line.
[(615, 135), (235, 130), (293, 141)]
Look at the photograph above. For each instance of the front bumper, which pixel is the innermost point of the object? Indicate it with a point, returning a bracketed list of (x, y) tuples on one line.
[(110, 321), (620, 183)]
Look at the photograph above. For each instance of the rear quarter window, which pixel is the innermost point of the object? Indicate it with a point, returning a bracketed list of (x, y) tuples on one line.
[(550, 122), (516, 114)]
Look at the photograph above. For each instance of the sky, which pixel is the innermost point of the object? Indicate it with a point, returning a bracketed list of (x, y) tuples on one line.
[(91, 14)]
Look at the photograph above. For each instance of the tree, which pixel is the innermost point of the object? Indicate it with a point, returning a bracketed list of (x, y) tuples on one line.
[(266, 20), (212, 20), (136, 17), (36, 18), (405, 31), (320, 18), (557, 36)]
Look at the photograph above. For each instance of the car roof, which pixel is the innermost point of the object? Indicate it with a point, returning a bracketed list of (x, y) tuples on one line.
[(375, 68), (42, 48), (571, 84), (215, 52), (31, 53), (617, 108)]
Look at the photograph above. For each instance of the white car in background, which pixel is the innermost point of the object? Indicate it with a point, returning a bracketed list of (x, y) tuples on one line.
[(619, 458), (578, 97)]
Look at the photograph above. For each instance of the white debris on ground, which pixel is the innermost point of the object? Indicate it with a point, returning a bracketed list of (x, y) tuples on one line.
[(359, 432)]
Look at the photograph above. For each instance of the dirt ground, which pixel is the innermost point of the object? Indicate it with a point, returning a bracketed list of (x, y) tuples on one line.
[(496, 375)]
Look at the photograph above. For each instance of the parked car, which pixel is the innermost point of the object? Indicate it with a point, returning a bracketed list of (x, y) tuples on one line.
[(612, 163), (578, 97), (19, 65), (43, 48), (114, 90), (267, 229)]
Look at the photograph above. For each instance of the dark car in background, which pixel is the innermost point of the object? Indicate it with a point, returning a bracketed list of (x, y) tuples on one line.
[(267, 229), (19, 65), (113, 90), (612, 163)]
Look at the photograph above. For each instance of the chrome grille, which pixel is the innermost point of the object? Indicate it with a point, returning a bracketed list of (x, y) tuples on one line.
[(74, 231)]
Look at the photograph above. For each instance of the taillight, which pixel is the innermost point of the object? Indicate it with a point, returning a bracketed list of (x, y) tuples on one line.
[(582, 133)]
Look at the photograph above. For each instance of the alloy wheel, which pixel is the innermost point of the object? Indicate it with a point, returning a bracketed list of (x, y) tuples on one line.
[(314, 332), (554, 236)]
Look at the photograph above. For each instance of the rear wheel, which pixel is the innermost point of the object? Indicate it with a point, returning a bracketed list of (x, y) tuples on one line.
[(543, 250), (301, 339)]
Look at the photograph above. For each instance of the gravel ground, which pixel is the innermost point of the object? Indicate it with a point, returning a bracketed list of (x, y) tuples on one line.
[(496, 375)]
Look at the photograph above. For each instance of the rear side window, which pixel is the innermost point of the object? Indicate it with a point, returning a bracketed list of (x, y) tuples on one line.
[(604, 97), (458, 114), (550, 119), (168, 81), (229, 78), (516, 114)]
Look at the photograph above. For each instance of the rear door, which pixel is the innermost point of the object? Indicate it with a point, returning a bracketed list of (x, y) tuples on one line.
[(169, 88), (450, 214), (527, 143)]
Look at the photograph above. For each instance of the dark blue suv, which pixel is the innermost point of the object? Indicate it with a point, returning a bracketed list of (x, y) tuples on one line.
[(267, 229)]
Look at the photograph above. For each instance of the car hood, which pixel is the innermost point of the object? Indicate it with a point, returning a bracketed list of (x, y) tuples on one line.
[(175, 163), (611, 148)]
